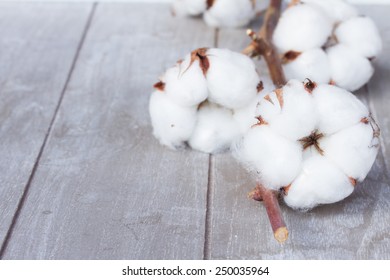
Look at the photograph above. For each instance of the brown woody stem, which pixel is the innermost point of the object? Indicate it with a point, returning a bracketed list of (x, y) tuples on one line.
[(270, 200), (262, 43)]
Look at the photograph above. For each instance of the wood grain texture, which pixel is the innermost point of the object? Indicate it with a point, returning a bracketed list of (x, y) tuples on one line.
[(38, 44), (356, 228), (105, 188)]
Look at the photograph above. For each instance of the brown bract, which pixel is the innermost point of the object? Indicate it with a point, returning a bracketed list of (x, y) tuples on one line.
[(309, 85), (159, 86), (279, 96), (260, 86), (210, 3), (290, 56), (260, 121), (200, 54), (312, 140), (353, 181)]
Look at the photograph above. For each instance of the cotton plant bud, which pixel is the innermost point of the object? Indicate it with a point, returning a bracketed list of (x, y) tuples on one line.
[(301, 28), (172, 124), (361, 35), (312, 162), (336, 10), (339, 54), (215, 129), (230, 13), (198, 100), (349, 69), (312, 64), (189, 7)]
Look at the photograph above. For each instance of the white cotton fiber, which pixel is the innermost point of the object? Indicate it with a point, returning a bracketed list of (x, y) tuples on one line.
[(337, 10), (232, 78), (319, 182), (337, 108), (230, 13), (361, 35), (172, 124), (349, 69), (353, 150), (215, 129), (189, 7), (185, 83), (301, 28), (276, 160), (312, 64), (296, 118)]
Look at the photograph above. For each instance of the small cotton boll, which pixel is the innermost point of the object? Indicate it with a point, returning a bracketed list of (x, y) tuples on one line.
[(349, 69), (230, 13), (320, 182), (172, 124), (353, 150), (189, 7), (337, 10), (300, 28), (292, 114), (185, 83), (276, 159), (231, 78), (337, 108), (215, 129), (361, 35), (312, 64)]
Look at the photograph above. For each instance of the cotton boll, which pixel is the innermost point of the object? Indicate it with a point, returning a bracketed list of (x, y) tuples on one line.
[(276, 160), (292, 114), (231, 78), (230, 13), (172, 124), (320, 182), (361, 35), (337, 10), (185, 83), (215, 129), (189, 7), (312, 64), (353, 150), (349, 69), (337, 108), (301, 28)]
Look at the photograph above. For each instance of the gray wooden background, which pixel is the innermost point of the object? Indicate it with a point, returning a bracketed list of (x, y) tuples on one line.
[(81, 176)]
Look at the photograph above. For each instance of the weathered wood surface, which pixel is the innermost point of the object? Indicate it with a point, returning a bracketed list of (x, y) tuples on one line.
[(105, 189), (37, 46)]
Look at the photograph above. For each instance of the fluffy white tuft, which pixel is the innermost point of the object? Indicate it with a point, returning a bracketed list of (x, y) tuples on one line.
[(337, 10), (172, 124), (320, 182)]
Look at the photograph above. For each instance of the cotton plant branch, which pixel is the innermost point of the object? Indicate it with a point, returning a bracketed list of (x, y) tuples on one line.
[(262, 45)]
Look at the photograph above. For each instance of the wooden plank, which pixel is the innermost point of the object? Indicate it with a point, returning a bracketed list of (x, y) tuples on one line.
[(38, 43), (356, 228), (105, 188)]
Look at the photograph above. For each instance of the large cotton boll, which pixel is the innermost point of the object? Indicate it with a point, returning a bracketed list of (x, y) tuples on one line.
[(300, 28), (230, 13), (296, 117), (337, 10), (189, 7), (215, 129), (320, 182), (276, 160), (361, 35), (172, 124), (185, 83), (349, 69), (353, 150), (312, 64), (231, 78), (337, 108)]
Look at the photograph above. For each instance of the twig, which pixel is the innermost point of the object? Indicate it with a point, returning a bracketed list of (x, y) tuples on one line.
[(270, 200), (262, 43)]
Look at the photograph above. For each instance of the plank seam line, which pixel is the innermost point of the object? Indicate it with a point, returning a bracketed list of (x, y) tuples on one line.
[(48, 132), (208, 222)]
